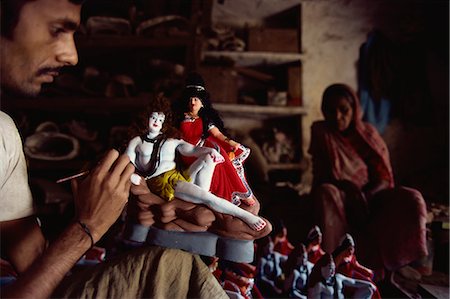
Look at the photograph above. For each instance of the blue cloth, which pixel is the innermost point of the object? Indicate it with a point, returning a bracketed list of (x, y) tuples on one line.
[(376, 112)]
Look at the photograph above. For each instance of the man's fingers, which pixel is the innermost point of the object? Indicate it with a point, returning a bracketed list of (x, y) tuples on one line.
[(126, 175), (106, 163), (74, 185), (120, 165)]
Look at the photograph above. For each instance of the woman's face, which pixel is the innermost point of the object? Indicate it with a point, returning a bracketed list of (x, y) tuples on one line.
[(155, 122), (339, 113), (195, 104)]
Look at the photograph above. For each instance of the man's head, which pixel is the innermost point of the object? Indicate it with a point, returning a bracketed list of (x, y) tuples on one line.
[(36, 41)]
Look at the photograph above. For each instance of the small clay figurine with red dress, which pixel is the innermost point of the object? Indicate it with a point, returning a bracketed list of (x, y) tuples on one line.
[(346, 264), (280, 239), (313, 244)]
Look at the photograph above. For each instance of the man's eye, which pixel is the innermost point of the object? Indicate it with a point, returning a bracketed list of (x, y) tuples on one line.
[(57, 31)]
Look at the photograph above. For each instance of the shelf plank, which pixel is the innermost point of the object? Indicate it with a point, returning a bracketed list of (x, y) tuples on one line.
[(261, 111), (108, 104), (286, 166), (76, 104), (66, 165), (130, 42), (253, 58)]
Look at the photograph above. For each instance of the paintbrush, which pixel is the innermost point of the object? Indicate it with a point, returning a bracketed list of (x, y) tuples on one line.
[(72, 176)]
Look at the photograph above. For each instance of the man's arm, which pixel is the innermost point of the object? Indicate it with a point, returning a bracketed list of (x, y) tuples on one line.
[(99, 200), (47, 271), (22, 242)]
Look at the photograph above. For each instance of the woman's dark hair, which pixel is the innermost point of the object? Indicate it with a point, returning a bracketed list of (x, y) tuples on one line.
[(337, 91), (195, 87), (10, 12)]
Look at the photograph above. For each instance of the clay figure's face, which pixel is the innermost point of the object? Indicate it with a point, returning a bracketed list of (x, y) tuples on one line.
[(302, 259), (41, 44), (339, 114), (195, 104), (348, 253), (155, 122), (328, 270)]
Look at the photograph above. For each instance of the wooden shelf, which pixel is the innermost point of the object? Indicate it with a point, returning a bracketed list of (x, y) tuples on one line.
[(263, 112), (69, 165), (286, 166), (130, 42), (76, 104), (253, 58), (113, 104)]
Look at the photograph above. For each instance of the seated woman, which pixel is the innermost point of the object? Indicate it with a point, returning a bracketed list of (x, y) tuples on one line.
[(354, 191)]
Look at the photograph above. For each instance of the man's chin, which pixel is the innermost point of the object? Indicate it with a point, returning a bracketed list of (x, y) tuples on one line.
[(22, 91)]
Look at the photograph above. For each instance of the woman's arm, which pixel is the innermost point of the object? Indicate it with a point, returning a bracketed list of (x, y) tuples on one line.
[(214, 131), (372, 188)]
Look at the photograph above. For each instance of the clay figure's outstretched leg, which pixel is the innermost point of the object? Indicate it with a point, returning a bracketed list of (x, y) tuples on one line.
[(201, 171), (193, 193)]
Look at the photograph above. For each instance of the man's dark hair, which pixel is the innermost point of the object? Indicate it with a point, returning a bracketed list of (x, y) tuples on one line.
[(10, 12)]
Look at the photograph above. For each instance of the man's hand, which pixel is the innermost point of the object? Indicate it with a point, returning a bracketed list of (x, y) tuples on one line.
[(149, 209), (102, 195)]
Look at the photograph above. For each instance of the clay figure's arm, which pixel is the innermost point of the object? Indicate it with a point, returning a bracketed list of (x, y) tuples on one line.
[(187, 149), (131, 149), (214, 131), (364, 288), (315, 292)]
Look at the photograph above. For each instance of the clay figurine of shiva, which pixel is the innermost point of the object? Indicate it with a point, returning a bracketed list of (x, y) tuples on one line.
[(154, 155)]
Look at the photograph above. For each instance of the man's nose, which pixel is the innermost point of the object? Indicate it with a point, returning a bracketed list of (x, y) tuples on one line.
[(68, 54)]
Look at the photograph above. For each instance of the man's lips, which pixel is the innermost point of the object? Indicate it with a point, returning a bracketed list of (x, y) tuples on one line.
[(49, 71), (52, 73)]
